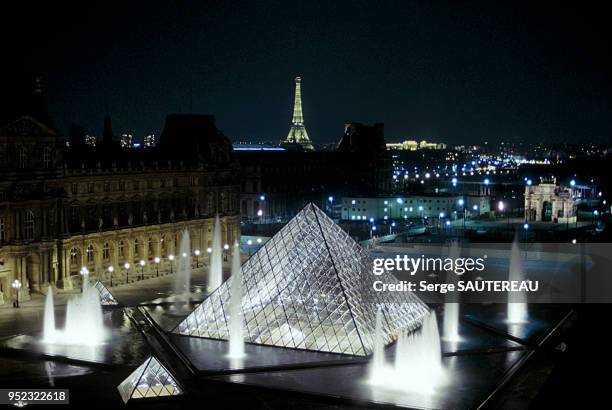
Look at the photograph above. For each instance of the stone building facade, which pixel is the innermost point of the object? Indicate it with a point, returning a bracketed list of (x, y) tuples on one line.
[(548, 202), (63, 208)]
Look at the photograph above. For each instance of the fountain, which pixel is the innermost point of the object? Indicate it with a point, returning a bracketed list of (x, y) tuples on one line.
[(215, 274), (451, 305), (517, 308), (377, 367), (182, 282), (84, 320), (418, 360), (49, 318), (236, 327)]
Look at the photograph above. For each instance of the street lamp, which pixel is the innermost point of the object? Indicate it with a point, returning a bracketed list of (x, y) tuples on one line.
[(111, 269), (330, 199), (171, 258), (197, 255), (157, 260), (142, 264), (249, 243), (17, 286), (461, 203), (127, 272)]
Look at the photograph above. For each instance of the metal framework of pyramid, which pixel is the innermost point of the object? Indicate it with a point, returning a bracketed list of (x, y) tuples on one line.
[(106, 298), (150, 379), (309, 287)]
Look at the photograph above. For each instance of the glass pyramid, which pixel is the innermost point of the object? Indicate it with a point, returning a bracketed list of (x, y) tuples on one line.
[(106, 298), (309, 287), (150, 379)]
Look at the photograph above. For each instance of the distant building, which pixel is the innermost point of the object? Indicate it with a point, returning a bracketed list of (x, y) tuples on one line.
[(298, 139), (412, 145), (90, 140), (280, 182), (548, 202), (126, 140), (149, 141), (414, 206)]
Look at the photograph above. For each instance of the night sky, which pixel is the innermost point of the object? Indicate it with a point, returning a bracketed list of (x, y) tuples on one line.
[(457, 73)]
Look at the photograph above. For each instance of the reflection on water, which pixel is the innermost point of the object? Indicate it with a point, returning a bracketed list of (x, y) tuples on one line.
[(124, 345)]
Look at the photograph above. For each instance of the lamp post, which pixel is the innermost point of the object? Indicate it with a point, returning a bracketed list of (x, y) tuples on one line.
[(209, 252), (501, 206), (17, 286), (142, 264), (127, 272), (171, 258), (330, 199), (461, 203), (157, 260), (249, 243), (260, 215), (111, 269), (225, 249), (197, 257)]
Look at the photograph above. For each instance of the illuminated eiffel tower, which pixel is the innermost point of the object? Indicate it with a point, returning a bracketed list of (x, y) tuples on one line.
[(297, 133)]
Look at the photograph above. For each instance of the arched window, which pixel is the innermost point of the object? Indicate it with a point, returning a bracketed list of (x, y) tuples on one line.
[(90, 253), (121, 248), (136, 252), (28, 225), (23, 157), (151, 247), (74, 254), (106, 251)]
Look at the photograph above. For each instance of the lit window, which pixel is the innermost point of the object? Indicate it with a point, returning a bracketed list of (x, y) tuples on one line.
[(90, 253), (74, 256)]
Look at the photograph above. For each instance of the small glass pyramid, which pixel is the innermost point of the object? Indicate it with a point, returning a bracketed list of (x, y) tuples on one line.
[(150, 379), (106, 298), (309, 287)]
